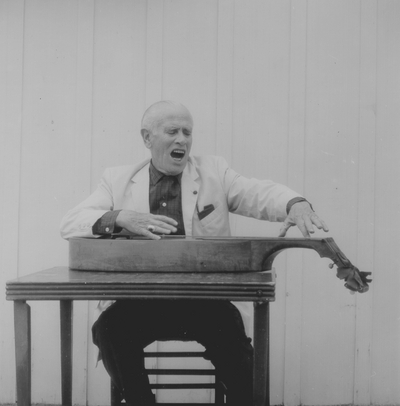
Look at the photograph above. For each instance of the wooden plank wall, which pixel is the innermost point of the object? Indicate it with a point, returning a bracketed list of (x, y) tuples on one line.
[(302, 92)]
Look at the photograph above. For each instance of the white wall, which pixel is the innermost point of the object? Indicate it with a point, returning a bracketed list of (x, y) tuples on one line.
[(303, 92)]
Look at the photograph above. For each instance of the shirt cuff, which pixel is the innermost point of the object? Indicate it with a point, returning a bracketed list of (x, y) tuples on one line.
[(105, 225), (295, 200)]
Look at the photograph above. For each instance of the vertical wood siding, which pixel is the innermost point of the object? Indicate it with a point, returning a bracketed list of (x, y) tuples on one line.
[(306, 93)]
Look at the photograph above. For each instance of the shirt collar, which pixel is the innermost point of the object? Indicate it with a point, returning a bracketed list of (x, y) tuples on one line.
[(156, 175)]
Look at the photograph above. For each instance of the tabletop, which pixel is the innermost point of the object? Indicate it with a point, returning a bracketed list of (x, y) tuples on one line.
[(60, 283)]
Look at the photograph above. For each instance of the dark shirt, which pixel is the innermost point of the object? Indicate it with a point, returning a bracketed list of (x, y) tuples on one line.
[(165, 198)]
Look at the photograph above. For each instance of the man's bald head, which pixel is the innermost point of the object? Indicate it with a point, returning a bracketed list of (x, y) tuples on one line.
[(167, 133), (161, 110)]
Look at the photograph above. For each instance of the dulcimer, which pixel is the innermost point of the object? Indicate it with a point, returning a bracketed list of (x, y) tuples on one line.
[(130, 253)]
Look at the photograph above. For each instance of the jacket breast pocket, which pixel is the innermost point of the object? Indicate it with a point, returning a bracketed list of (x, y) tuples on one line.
[(212, 217), (215, 224)]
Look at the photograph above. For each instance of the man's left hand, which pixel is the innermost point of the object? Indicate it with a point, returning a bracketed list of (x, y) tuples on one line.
[(302, 215)]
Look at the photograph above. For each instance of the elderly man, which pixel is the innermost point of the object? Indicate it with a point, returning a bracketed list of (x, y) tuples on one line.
[(175, 193)]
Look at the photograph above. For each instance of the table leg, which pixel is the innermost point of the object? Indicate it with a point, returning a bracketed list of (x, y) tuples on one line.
[(261, 354), (22, 327), (66, 351)]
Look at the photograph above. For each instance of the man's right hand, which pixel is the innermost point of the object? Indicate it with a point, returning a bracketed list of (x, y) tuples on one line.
[(142, 223)]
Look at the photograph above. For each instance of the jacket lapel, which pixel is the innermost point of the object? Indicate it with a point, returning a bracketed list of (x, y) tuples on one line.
[(190, 189), (140, 190)]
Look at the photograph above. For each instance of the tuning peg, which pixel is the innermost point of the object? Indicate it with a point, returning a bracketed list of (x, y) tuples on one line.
[(331, 265)]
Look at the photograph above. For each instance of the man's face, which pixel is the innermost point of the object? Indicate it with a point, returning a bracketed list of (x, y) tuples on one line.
[(170, 140)]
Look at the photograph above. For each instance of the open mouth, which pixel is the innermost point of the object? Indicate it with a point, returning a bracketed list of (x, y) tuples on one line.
[(178, 154)]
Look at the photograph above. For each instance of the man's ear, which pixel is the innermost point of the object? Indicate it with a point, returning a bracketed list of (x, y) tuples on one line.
[(146, 137)]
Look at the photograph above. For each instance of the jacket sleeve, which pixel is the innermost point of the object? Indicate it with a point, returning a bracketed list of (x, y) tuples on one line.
[(79, 221), (260, 199)]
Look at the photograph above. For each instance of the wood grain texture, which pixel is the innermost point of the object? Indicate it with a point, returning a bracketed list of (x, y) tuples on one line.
[(366, 206), (11, 91), (293, 290), (386, 302)]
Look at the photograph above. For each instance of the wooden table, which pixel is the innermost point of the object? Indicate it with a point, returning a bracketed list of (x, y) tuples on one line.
[(218, 264), (67, 285)]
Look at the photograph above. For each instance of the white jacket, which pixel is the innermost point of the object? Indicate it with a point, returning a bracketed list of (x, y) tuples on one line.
[(206, 180)]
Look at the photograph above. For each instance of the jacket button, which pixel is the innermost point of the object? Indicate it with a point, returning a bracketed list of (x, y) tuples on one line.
[(195, 192)]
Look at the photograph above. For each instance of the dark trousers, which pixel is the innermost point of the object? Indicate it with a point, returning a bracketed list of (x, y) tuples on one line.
[(128, 326)]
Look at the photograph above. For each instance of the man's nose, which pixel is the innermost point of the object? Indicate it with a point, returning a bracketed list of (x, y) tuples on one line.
[(180, 138)]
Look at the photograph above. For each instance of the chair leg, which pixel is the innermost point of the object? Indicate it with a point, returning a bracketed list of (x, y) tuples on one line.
[(220, 390), (116, 397)]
